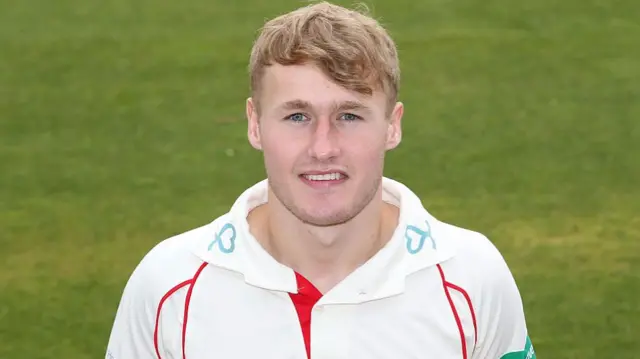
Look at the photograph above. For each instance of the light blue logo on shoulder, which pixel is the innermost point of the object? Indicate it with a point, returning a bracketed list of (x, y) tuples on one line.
[(422, 236), (225, 239)]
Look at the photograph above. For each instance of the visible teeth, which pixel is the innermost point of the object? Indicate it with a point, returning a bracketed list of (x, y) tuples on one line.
[(324, 177)]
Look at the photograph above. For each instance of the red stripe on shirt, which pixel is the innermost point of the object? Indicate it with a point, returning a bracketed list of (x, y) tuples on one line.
[(186, 307), (455, 312), (164, 299), (308, 295), (473, 312), (190, 282)]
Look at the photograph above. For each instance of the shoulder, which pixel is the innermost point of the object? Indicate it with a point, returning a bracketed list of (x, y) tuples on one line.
[(151, 304), (480, 272), (478, 264), (462, 252), (171, 261), (473, 249)]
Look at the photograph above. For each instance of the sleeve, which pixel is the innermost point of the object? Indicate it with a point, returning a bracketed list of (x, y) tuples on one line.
[(502, 328), (132, 334)]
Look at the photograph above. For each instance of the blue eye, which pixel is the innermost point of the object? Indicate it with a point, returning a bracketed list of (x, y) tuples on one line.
[(349, 117), (296, 117)]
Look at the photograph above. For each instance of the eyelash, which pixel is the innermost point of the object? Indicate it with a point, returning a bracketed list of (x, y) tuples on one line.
[(355, 117)]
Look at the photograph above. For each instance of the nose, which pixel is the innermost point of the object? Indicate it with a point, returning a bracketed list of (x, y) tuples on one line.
[(324, 141)]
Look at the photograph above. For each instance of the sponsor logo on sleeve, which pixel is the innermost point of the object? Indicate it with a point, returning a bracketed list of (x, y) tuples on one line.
[(527, 353)]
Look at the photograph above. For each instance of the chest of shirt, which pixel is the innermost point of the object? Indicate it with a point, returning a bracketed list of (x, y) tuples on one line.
[(229, 319)]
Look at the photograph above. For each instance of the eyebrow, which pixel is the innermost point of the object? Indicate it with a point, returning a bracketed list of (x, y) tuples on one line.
[(296, 105), (335, 107)]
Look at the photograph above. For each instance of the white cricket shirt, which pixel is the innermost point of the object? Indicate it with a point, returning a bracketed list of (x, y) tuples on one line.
[(435, 291)]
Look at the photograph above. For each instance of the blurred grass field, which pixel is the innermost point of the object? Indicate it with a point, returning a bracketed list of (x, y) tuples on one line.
[(122, 123)]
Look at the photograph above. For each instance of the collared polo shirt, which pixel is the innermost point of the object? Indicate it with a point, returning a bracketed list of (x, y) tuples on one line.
[(434, 291)]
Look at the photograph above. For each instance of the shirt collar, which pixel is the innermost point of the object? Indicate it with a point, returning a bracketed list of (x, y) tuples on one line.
[(417, 242)]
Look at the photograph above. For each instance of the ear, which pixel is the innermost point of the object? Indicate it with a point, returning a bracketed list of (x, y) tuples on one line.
[(394, 131), (253, 128)]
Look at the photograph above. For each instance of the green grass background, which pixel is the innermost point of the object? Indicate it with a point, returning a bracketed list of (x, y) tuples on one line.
[(117, 118)]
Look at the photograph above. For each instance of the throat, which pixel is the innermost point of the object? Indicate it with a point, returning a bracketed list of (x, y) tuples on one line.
[(325, 256), (325, 262)]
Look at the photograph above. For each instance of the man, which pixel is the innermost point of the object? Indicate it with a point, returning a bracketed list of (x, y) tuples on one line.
[(326, 258)]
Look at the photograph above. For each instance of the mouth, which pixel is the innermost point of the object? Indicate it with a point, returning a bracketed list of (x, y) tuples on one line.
[(324, 179)]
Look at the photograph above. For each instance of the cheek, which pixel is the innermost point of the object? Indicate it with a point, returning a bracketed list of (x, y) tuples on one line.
[(278, 153), (367, 153)]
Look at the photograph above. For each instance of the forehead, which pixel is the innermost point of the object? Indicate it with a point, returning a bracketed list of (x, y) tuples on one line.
[(282, 84)]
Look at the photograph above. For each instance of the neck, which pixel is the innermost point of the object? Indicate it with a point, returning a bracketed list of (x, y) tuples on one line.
[(325, 255)]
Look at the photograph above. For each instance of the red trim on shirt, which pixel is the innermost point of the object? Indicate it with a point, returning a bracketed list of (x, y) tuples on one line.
[(473, 312), (190, 282), (164, 298), (186, 307), (308, 295), (446, 286)]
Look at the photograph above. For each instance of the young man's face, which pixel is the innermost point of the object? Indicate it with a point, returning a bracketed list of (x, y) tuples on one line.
[(323, 145)]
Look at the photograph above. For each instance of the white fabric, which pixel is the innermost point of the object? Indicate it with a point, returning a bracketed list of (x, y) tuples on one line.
[(394, 306)]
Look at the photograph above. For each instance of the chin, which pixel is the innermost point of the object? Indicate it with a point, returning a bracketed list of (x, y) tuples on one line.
[(324, 218), (317, 208)]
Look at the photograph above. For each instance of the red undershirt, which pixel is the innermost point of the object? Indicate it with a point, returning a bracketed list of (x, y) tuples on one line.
[(308, 295)]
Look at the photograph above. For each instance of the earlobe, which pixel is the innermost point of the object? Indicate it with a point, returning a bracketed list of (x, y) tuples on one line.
[(253, 125), (394, 133), (394, 139)]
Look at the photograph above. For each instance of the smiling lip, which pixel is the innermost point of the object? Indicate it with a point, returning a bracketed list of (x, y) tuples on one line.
[(323, 179)]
